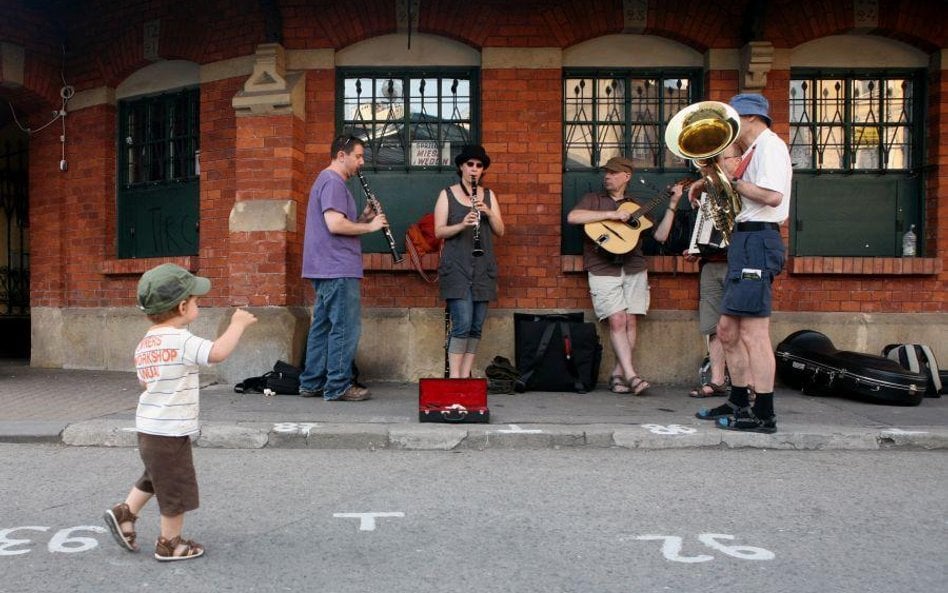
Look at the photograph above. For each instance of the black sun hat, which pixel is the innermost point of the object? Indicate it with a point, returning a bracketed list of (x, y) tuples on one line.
[(472, 151)]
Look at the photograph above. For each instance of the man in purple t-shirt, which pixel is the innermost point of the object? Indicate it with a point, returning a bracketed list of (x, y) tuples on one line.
[(332, 260)]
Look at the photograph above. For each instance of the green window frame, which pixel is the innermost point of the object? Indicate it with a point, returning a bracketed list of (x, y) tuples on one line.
[(158, 175), (857, 144), (414, 121), (621, 111)]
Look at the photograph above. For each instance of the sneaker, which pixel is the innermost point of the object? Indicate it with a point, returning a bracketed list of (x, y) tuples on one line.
[(164, 549), (353, 394), (304, 392)]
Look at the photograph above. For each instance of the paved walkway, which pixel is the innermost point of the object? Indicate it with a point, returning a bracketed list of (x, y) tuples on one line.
[(96, 408)]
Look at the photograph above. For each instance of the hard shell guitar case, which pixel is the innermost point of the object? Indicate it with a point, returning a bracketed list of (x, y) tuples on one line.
[(808, 361)]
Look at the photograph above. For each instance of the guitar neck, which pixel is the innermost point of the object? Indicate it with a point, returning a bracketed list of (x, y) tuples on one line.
[(651, 204)]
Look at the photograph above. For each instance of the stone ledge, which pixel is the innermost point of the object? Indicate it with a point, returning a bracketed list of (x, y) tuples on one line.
[(128, 267), (866, 266)]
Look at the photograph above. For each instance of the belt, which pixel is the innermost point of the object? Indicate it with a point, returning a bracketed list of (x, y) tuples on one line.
[(749, 227)]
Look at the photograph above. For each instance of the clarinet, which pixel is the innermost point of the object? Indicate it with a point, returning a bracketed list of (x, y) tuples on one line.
[(377, 206), (478, 250)]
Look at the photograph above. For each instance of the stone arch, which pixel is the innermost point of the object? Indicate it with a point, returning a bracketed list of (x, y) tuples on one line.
[(158, 77), (392, 50), (631, 50), (857, 51)]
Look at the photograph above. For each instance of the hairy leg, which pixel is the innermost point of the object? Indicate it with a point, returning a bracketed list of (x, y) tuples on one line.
[(755, 336)]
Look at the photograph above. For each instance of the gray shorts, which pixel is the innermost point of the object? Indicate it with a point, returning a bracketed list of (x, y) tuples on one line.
[(711, 292), (626, 292)]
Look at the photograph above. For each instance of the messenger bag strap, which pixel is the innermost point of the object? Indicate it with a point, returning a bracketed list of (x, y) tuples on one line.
[(570, 363), (531, 366)]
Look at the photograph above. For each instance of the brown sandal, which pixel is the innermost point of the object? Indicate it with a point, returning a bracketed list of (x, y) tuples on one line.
[(619, 385), (165, 549), (703, 390), (638, 385), (114, 518)]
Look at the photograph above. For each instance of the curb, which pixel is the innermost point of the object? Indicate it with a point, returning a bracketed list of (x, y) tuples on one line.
[(437, 437)]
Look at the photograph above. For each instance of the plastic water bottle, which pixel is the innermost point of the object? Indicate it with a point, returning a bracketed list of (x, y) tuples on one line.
[(908, 242)]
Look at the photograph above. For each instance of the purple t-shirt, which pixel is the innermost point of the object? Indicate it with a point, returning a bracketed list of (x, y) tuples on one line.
[(326, 255)]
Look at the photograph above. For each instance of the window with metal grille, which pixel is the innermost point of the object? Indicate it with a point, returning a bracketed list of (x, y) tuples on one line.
[(614, 112), (854, 121), (410, 119), (622, 112), (857, 146), (158, 175), (159, 138), (414, 121)]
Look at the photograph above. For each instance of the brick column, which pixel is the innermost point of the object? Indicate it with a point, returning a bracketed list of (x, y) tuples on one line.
[(263, 267)]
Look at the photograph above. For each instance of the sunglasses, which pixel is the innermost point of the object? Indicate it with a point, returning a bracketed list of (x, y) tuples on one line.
[(475, 164)]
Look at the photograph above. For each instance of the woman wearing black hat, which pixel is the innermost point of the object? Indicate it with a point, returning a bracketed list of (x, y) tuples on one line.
[(466, 216)]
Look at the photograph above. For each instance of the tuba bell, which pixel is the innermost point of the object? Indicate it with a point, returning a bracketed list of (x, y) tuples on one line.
[(700, 132)]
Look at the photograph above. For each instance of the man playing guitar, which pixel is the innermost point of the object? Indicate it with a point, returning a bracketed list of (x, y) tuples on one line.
[(618, 283)]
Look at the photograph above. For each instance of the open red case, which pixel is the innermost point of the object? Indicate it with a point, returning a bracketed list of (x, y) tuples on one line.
[(453, 400)]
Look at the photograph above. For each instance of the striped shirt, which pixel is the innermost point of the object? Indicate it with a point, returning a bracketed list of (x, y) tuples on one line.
[(167, 361)]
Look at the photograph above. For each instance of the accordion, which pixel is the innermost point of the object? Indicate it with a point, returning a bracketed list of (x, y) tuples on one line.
[(706, 240)]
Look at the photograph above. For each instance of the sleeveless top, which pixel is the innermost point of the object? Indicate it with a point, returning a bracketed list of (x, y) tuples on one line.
[(459, 271)]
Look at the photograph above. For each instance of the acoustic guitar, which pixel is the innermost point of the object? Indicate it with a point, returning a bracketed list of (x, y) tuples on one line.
[(620, 237)]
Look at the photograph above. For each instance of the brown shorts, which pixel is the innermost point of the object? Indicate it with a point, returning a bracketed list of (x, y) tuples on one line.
[(169, 473)]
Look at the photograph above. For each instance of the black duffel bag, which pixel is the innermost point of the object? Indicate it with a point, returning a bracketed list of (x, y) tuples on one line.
[(556, 352)]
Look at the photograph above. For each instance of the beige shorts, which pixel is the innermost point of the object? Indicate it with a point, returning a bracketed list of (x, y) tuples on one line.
[(626, 292)]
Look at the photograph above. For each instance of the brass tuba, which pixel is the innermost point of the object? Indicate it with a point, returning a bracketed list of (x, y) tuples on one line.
[(700, 132)]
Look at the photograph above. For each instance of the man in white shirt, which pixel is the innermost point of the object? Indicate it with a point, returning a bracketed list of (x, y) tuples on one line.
[(756, 255)]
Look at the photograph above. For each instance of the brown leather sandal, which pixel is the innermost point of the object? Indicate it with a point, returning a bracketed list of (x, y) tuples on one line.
[(165, 549), (708, 390), (114, 518)]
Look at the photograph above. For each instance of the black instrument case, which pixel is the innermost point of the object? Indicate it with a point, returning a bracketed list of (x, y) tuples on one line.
[(808, 361)]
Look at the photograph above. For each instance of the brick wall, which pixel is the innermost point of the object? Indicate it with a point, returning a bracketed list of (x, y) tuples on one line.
[(72, 214)]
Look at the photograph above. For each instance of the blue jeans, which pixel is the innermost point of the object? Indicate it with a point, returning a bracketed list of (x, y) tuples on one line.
[(467, 317), (333, 336)]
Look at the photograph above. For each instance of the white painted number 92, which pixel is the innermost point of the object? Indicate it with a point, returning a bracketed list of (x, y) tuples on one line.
[(63, 541), (671, 548)]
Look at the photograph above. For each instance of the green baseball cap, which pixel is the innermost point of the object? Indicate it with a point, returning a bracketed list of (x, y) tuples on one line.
[(163, 287)]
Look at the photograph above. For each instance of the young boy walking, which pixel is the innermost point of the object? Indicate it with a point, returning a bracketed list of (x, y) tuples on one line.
[(167, 361)]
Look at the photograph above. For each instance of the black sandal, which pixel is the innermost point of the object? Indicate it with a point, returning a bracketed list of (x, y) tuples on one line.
[(725, 409), (747, 421)]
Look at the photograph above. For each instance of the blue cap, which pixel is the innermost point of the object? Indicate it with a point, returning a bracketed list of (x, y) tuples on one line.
[(752, 104)]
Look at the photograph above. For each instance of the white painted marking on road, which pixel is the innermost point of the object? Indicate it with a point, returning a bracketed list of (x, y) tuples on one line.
[(6, 543), (367, 520), (742, 552), (671, 549), (63, 541), (515, 429), (671, 429), (886, 431), (303, 428)]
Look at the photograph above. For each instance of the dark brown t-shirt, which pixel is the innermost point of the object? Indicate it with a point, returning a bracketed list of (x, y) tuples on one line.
[(599, 261)]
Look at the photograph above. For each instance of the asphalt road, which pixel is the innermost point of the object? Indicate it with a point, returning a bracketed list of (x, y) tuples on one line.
[(591, 521)]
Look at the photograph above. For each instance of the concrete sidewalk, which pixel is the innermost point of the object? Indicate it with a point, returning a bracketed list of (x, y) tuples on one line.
[(97, 408)]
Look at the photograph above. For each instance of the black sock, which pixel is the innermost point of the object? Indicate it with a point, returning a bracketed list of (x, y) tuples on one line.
[(764, 406), (740, 396)]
